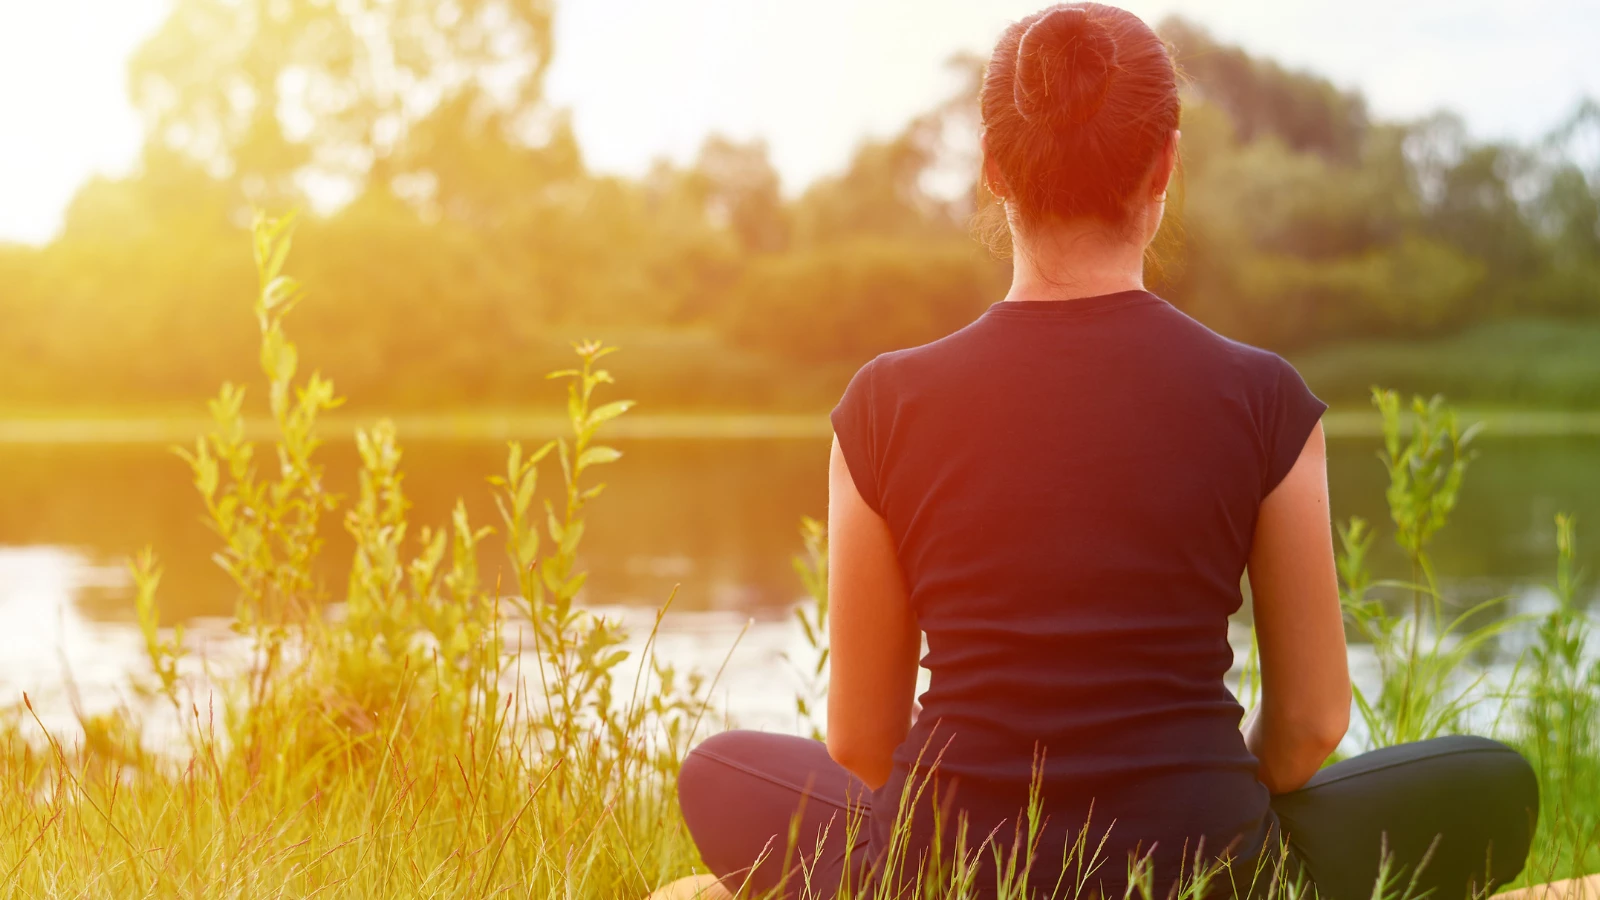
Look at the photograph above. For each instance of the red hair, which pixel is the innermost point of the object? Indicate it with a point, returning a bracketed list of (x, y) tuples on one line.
[(1078, 103)]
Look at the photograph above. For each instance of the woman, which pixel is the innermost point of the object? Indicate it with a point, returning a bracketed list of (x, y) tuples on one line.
[(1063, 497)]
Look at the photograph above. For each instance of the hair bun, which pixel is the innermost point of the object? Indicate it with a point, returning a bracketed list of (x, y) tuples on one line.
[(1064, 66)]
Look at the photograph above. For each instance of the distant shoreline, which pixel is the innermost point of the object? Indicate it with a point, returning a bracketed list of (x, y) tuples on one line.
[(476, 426)]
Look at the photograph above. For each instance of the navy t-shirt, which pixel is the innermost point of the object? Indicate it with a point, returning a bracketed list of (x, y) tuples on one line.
[(1072, 487)]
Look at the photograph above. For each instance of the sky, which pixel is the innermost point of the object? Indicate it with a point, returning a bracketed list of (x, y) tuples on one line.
[(812, 77)]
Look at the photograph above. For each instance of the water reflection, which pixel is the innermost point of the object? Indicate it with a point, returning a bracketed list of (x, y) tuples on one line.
[(46, 641), (69, 663), (715, 519)]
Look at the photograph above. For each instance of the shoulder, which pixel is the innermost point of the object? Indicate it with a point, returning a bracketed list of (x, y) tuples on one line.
[(912, 365), (1248, 361)]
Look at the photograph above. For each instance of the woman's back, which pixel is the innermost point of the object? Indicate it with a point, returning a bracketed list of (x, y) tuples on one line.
[(1062, 499), (1072, 490)]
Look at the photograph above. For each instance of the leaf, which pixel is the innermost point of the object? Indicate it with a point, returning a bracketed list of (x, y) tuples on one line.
[(281, 291), (577, 407), (524, 497), (549, 574), (595, 456), (608, 412), (514, 460), (574, 585), (569, 541)]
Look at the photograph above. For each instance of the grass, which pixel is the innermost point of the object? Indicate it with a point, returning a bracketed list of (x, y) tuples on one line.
[(1524, 377), (469, 425), (424, 734), (1511, 363), (536, 424)]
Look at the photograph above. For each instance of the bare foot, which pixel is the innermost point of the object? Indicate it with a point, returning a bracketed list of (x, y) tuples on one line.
[(1585, 888), (706, 887)]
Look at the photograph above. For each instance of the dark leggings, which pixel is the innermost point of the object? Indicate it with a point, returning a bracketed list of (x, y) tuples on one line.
[(743, 794)]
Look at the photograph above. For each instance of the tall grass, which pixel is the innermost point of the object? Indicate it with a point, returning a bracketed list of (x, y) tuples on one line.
[(421, 732), (395, 743), (1430, 676), (1558, 725), (1421, 654)]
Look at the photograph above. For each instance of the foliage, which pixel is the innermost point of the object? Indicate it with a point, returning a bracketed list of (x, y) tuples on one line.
[(263, 93), (1306, 112), (1420, 656), (579, 650), (391, 745), (164, 653), (848, 299), (1427, 680), (1507, 364), (1560, 721), (812, 614), (459, 228)]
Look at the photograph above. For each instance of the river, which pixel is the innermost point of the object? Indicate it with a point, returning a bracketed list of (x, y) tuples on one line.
[(715, 519)]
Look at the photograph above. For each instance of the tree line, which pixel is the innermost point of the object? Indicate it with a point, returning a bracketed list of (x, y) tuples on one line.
[(463, 240)]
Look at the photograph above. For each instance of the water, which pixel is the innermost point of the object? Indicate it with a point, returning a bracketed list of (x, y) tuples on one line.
[(715, 519)]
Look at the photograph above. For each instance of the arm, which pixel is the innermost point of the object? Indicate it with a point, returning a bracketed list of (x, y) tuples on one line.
[(871, 631), (1305, 673)]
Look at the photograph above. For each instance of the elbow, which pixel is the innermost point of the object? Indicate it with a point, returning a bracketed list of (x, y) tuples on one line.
[(868, 764), (1317, 743), (1316, 737), (1297, 746), (1333, 724), (1334, 729), (1319, 727)]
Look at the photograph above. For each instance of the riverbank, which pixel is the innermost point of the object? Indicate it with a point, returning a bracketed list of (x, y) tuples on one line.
[(1541, 375), (535, 424), (1521, 363)]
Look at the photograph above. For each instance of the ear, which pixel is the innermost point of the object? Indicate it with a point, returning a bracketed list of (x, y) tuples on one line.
[(1166, 163), (992, 179)]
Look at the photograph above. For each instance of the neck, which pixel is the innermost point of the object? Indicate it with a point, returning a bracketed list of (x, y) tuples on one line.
[(1067, 261)]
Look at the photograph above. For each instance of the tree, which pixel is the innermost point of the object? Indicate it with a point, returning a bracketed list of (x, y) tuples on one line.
[(1263, 98), (880, 193), (742, 191), (279, 96), (1478, 213), (849, 300), (466, 161), (891, 187)]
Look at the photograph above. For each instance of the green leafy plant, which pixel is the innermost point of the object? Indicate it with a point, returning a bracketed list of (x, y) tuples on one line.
[(1419, 655), (164, 653), (1560, 718), (812, 614), (268, 524), (373, 715)]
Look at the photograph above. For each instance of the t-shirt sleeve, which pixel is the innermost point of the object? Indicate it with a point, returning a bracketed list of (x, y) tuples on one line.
[(1292, 412), (854, 426)]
